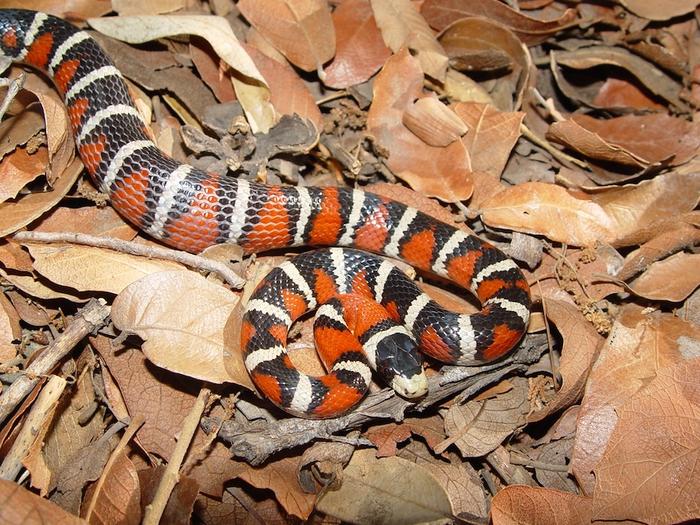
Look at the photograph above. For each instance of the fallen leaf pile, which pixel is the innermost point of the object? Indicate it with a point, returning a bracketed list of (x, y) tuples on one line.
[(564, 132)]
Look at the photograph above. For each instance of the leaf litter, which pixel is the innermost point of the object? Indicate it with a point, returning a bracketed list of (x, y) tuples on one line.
[(563, 133)]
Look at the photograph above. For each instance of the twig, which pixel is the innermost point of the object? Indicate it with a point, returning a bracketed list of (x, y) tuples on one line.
[(171, 476), (130, 431), (133, 248), (42, 408), (554, 152), (89, 318), (257, 441)]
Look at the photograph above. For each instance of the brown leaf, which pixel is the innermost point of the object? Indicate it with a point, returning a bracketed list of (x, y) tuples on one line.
[(181, 501), (578, 355), (660, 10), (403, 26), (653, 477), (672, 279), (301, 29), (360, 50), (637, 349), (633, 140), (521, 504), (390, 490), (478, 427), (289, 94), (179, 335), (650, 76), (280, 476), (20, 168), (10, 329), (619, 93), (152, 7), (441, 13), (210, 68), (386, 437), (470, 37), (93, 220), (619, 216), (18, 505), (17, 214), (119, 498), (491, 137), (164, 399), (436, 172), (433, 122)]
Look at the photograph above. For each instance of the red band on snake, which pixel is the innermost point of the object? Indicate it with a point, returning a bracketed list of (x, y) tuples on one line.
[(190, 209)]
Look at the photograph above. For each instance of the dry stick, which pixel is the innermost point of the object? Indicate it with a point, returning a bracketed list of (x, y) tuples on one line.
[(171, 476), (41, 409), (130, 431), (133, 248), (258, 440), (86, 320)]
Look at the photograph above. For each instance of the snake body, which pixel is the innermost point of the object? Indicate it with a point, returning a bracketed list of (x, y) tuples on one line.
[(190, 209)]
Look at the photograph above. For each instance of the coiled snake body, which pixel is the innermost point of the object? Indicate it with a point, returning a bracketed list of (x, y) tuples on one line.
[(190, 209)]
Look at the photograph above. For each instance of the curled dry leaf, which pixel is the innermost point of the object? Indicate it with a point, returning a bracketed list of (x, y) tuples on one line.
[(403, 26), (470, 37), (179, 335), (302, 30), (632, 140), (360, 50), (217, 31), (388, 490), (18, 169), (19, 505), (433, 122), (650, 76), (649, 472), (520, 504), (618, 216), (10, 329), (672, 279), (86, 268), (441, 13), (581, 341), (637, 349), (436, 172)]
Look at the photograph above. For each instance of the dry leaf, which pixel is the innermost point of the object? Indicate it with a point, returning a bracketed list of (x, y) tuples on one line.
[(302, 30), (433, 122), (20, 168), (360, 50), (10, 329), (179, 335), (403, 26), (522, 504), (18, 505), (660, 10), (435, 172), (119, 498), (255, 94), (672, 279)]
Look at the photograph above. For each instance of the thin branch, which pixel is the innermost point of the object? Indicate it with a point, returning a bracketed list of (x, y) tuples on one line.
[(133, 248), (87, 319)]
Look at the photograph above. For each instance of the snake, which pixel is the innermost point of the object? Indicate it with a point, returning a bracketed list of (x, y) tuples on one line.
[(369, 314)]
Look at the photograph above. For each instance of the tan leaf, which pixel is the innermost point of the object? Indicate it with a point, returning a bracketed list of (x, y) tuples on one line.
[(17, 214), (662, 10), (435, 172), (491, 137), (253, 93), (433, 122), (619, 216), (532, 31), (403, 26), (391, 490), (179, 334), (18, 505), (672, 279), (302, 30), (152, 7), (478, 427), (30, 284), (639, 346), (93, 220), (360, 50), (653, 477), (86, 268), (578, 355), (521, 504)]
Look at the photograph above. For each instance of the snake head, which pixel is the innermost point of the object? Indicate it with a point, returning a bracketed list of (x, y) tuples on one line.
[(400, 365)]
